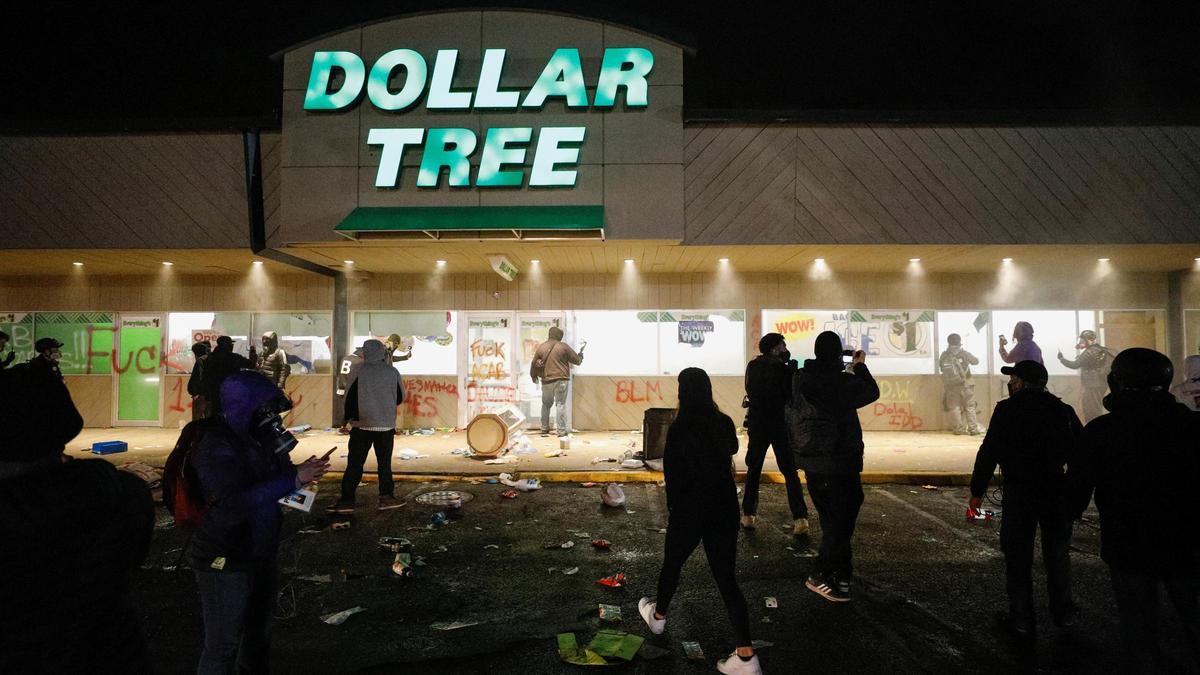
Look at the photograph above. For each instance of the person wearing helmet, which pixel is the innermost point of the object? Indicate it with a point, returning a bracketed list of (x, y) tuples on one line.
[(1142, 461), (394, 343), (1092, 364), (958, 394), (1032, 437), (1025, 349), (1188, 391)]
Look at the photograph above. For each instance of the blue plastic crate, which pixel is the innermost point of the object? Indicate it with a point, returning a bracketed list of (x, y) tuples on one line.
[(109, 447)]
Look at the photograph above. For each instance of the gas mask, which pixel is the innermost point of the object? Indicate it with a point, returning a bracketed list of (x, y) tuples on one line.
[(266, 426), (954, 349)]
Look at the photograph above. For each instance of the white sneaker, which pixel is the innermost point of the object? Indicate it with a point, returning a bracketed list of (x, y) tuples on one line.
[(800, 527), (734, 664), (646, 609), (749, 522)]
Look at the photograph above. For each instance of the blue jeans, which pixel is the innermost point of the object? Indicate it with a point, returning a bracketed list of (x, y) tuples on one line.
[(555, 394), (236, 605)]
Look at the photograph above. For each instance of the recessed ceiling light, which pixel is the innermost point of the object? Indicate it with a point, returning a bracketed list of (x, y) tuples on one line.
[(441, 262), (348, 262), (167, 263), (257, 262), (629, 261), (819, 261), (1006, 260), (914, 260), (1101, 259), (535, 261), (724, 260), (1196, 259), (79, 264)]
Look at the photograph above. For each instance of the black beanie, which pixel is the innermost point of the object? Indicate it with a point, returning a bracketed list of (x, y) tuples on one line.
[(769, 342), (828, 346)]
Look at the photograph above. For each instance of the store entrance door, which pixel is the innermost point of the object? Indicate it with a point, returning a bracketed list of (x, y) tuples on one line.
[(489, 382), (532, 330), (138, 364)]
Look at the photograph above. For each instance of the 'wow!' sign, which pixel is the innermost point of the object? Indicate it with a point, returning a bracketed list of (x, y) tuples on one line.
[(692, 332)]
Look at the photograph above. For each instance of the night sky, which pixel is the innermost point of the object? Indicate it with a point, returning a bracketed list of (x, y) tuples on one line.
[(196, 65)]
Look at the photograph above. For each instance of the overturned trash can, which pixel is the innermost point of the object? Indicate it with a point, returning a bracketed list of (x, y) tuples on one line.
[(490, 434), (654, 431)]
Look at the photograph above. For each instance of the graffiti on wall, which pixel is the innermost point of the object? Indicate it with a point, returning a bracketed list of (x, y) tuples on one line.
[(637, 391), (488, 360), (895, 406), (421, 396)]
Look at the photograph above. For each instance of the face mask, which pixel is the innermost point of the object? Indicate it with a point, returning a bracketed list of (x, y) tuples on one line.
[(267, 428), (785, 355), (954, 349), (56, 356), (1011, 389)]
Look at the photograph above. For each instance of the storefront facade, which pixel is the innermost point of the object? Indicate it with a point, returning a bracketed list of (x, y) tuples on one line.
[(472, 178)]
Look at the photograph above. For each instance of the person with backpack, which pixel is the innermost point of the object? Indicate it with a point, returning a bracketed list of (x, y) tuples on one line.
[(220, 364), (958, 391), (826, 439), (768, 388), (1143, 461), (371, 404), (703, 508), (1032, 436), (551, 366), (1092, 364), (241, 469), (75, 532)]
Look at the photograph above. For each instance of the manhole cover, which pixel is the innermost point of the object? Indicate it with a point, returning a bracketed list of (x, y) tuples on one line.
[(444, 497)]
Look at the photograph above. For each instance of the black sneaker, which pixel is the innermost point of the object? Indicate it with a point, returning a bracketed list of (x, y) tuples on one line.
[(342, 508), (829, 587)]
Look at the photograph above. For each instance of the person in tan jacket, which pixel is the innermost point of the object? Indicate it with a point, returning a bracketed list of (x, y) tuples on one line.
[(551, 366)]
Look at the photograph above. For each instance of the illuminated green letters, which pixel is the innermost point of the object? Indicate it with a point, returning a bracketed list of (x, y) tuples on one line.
[(450, 148)]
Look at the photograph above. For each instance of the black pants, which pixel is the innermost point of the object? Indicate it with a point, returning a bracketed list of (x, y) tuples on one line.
[(838, 497), (776, 436), (236, 606), (1137, 605), (360, 442), (1023, 515), (720, 547)]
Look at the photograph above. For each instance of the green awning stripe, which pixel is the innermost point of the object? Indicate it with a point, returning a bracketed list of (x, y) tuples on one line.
[(470, 218)]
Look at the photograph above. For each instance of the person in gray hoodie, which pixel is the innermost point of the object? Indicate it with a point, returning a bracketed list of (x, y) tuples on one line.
[(371, 404)]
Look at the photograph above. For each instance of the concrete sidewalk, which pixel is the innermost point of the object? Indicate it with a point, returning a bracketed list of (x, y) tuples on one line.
[(890, 457)]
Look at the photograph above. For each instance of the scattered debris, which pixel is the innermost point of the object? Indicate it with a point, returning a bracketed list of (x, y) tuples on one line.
[(462, 452), (554, 453), (508, 494), (309, 530), (438, 519), (452, 625), (570, 571), (693, 652), (451, 499), (602, 544), (565, 544), (654, 464), (610, 613), (300, 428), (588, 484), (772, 603), (409, 453), (402, 566), (342, 525), (612, 495), (339, 618), (632, 464), (149, 474), (524, 485), (395, 544), (930, 487), (616, 644), (581, 535), (570, 652), (506, 459), (615, 581), (495, 546), (604, 460)]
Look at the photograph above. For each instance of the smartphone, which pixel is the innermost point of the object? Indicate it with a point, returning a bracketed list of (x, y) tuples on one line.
[(1002, 337), (325, 457)]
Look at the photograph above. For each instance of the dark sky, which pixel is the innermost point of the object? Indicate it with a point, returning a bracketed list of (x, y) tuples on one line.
[(114, 66)]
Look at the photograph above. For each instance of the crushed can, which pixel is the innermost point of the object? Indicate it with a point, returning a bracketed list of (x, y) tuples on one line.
[(402, 566), (395, 544), (981, 515), (438, 519)]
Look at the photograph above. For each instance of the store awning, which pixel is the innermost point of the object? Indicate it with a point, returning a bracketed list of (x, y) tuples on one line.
[(535, 223)]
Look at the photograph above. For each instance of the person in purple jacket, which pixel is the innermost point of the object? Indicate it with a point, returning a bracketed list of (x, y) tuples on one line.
[(1025, 349)]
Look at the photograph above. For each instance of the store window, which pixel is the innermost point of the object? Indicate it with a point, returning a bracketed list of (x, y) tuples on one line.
[(712, 340), (619, 342), (87, 339), (973, 327), (186, 328), (431, 335), (897, 342), (1191, 331), (1053, 331), (306, 337), (19, 327)]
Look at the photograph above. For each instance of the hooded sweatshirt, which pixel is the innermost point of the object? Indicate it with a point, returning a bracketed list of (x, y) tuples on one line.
[(1025, 349), (274, 363), (372, 399), (240, 480), (1188, 391)]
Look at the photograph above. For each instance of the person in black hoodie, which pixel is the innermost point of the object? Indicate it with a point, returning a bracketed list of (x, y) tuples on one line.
[(1032, 435), (74, 532), (243, 469), (768, 388), (703, 508), (195, 384), (218, 365), (1143, 460), (826, 439)]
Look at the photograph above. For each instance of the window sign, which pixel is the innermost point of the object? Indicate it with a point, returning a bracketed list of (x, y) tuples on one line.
[(337, 80)]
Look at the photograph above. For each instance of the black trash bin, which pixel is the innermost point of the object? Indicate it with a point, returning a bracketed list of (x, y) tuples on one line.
[(654, 431)]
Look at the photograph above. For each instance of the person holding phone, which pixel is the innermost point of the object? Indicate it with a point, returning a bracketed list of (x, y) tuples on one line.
[(551, 366)]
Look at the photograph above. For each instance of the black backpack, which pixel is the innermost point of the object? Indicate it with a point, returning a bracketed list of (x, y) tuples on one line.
[(812, 430), (182, 493)]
